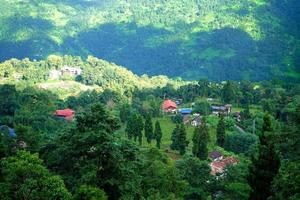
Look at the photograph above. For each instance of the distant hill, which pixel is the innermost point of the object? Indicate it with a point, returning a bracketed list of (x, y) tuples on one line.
[(68, 75), (217, 39)]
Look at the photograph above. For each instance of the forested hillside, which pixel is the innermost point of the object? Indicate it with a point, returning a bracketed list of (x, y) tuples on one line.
[(128, 140), (229, 39), (54, 74)]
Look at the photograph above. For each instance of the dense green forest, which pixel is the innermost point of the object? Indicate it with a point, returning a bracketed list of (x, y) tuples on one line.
[(122, 145), (228, 39)]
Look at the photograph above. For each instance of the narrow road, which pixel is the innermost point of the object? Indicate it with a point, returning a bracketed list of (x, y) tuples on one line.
[(239, 129)]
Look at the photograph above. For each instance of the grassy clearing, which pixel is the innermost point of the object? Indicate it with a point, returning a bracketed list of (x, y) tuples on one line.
[(167, 127)]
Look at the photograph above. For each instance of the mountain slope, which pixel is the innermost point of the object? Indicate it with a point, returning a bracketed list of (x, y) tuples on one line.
[(229, 39), (55, 74)]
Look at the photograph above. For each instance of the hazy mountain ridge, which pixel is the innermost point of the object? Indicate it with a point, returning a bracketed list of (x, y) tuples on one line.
[(240, 39)]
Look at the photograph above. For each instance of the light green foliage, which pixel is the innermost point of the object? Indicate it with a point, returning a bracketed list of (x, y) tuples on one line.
[(96, 74)]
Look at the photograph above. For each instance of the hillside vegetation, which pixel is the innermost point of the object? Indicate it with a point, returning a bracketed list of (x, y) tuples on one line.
[(229, 39), (97, 74)]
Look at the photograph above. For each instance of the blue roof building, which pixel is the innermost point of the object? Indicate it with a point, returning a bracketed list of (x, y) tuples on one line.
[(10, 131), (185, 111)]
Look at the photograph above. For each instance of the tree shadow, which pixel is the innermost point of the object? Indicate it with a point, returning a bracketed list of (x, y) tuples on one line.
[(34, 47)]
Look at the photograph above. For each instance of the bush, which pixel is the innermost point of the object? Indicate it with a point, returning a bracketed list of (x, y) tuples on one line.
[(240, 142)]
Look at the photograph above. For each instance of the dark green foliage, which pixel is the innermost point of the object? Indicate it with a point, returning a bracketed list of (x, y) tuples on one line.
[(148, 128), (182, 140), (96, 157), (215, 39), (234, 185), (264, 166), (286, 184), (267, 125), (134, 128), (8, 100), (30, 138), (200, 141), (228, 92), (245, 114), (2, 147), (177, 119), (125, 113), (25, 177), (240, 142), (197, 174), (157, 134), (221, 131), (174, 138), (202, 107), (179, 140), (161, 180)]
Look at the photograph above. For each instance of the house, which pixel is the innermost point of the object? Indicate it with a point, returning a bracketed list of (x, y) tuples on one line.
[(216, 155), (54, 74), (75, 71), (196, 121), (67, 114), (221, 109), (219, 166), (237, 116), (186, 119), (185, 111), (6, 129), (178, 102), (169, 106)]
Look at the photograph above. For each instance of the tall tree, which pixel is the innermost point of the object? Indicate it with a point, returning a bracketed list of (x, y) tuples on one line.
[(8, 100), (264, 166), (174, 138), (197, 174), (200, 141), (221, 131), (148, 128), (139, 128), (157, 134), (96, 156), (124, 113), (228, 92), (25, 177), (179, 141), (203, 87), (135, 127), (182, 140)]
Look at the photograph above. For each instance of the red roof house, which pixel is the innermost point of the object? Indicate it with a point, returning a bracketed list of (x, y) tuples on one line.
[(218, 167), (67, 114), (169, 106)]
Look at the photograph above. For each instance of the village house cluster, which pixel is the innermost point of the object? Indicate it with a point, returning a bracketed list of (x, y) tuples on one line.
[(170, 107), (65, 70)]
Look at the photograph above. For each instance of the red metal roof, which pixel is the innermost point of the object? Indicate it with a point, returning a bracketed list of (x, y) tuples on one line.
[(218, 166), (65, 113), (168, 104)]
